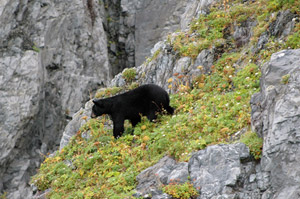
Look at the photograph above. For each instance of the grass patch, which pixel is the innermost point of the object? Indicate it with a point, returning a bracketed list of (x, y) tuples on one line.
[(129, 74), (182, 191), (254, 143)]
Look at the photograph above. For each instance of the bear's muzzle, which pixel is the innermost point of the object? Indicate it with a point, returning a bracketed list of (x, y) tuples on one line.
[(93, 115)]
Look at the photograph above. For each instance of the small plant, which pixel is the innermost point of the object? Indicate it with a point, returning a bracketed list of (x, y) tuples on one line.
[(293, 41), (182, 191), (254, 143), (285, 79), (3, 196), (35, 48), (108, 92), (133, 85), (129, 74), (154, 56)]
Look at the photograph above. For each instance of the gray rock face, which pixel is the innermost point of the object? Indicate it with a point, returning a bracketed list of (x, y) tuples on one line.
[(243, 33), (149, 21), (52, 54), (154, 177), (276, 117), (165, 18), (225, 171), (215, 168), (20, 91)]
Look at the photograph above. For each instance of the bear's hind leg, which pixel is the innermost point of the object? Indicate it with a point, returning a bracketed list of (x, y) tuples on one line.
[(118, 128)]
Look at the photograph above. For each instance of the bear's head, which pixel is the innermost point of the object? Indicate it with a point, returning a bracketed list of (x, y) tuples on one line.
[(99, 108)]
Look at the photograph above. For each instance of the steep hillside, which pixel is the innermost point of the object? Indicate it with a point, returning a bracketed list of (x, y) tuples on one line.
[(212, 69)]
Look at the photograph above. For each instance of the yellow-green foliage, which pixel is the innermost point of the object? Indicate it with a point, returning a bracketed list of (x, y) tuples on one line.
[(108, 92), (285, 79), (213, 29), (3, 196), (275, 5), (129, 74), (181, 191), (293, 41), (254, 143), (154, 56)]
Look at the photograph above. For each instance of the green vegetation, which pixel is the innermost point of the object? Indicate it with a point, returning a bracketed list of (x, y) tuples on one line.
[(154, 56), (216, 28), (182, 191), (293, 41), (3, 196), (208, 112), (275, 5), (108, 92), (129, 74), (35, 48), (285, 79), (254, 143)]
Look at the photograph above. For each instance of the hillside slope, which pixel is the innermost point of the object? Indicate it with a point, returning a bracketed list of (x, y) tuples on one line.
[(212, 70)]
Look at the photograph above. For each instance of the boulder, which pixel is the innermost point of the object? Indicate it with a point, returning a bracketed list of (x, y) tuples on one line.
[(167, 170), (219, 171)]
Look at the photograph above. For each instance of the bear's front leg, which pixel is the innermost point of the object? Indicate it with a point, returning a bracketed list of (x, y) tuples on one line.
[(151, 116), (118, 128)]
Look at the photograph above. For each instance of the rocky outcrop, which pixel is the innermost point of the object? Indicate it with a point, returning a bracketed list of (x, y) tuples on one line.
[(276, 117), (280, 28), (165, 18), (164, 65), (220, 171), (162, 173), (78, 119)]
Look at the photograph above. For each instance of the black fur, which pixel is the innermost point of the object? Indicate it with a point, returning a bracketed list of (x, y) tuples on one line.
[(146, 100)]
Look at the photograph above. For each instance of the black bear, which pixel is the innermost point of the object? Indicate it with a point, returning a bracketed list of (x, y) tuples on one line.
[(146, 100)]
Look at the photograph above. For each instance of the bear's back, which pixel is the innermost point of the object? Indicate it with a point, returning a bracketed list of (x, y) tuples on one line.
[(148, 91)]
